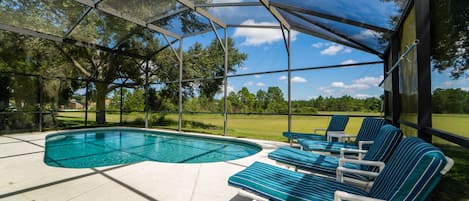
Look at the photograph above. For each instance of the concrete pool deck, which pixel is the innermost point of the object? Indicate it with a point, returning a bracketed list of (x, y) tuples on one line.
[(24, 176)]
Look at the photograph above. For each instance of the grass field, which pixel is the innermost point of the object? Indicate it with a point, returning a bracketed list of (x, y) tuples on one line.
[(267, 127), (270, 127)]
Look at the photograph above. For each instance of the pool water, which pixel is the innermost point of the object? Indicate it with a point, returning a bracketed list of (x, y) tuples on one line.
[(95, 148)]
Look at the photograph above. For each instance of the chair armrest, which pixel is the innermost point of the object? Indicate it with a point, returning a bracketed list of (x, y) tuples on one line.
[(319, 129), (361, 143), (345, 150), (341, 169), (344, 136), (341, 195), (448, 166)]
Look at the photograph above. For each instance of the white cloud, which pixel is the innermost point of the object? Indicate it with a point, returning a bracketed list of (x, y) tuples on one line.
[(327, 91), (366, 34), (318, 45), (260, 84), (332, 50), (250, 83), (339, 88), (259, 36), (358, 86), (349, 61), (243, 68), (354, 86), (369, 80), (220, 11), (298, 79), (229, 89), (257, 76), (447, 84), (461, 83), (347, 50), (338, 84)]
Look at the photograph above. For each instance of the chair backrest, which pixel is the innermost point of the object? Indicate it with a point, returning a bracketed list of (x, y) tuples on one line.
[(369, 130), (337, 123), (385, 143), (412, 172)]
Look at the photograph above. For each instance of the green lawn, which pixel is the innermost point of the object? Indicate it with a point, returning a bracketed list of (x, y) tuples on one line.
[(270, 127)]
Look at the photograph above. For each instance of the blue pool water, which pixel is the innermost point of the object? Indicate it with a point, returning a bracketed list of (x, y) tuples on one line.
[(95, 148)]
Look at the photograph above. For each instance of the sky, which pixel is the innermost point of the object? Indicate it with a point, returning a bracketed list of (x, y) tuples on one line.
[(266, 52)]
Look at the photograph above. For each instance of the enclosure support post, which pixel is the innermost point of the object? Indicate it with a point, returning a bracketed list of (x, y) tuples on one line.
[(225, 87), (396, 104), (287, 40), (86, 103), (40, 103), (180, 87), (121, 104), (146, 93), (423, 34), (289, 81)]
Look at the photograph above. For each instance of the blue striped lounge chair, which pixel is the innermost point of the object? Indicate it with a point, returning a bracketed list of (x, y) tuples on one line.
[(412, 173), (379, 152), (337, 124), (368, 131)]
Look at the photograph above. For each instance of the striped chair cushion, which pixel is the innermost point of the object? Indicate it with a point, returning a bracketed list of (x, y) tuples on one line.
[(334, 147), (309, 136), (411, 173), (369, 130), (281, 184), (384, 144), (337, 123), (309, 161), (388, 138)]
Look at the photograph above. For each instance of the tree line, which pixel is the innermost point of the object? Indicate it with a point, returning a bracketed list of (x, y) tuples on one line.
[(272, 100), (454, 101), (243, 101)]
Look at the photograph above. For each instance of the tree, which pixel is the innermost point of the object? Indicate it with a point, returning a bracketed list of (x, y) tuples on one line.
[(199, 62), (234, 102), (261, 101), (319, 103), (209, 62), (6, 93), (276, 102), (103, 68), (135, 101), (35, 56), (450, 37), (372, 104), (449, 101), (246, 99)]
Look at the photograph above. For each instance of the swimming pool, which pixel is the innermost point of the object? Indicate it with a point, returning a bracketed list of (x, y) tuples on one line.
[(103, 147)]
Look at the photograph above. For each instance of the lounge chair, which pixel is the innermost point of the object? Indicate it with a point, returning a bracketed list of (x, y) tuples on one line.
[(337, 124), (368, 131), (379, 152), (412, 173)]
